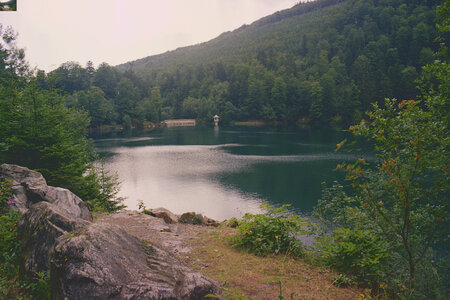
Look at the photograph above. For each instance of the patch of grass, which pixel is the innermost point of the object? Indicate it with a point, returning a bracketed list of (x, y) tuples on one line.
[(247, 276), (148, 247)]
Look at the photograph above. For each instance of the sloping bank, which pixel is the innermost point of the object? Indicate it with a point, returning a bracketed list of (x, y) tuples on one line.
[(93, 260)]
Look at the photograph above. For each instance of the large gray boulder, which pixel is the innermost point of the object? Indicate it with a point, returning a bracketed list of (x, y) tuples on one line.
[(33, 182), (102, 261), (92, 260), (71, 203), (38, 230), (29, 187)]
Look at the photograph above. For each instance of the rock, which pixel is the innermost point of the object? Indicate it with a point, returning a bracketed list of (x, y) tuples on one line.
[(171, 237), (38, 229), (104, 262), (30, 187), (210, 222), (191, 218), (197, 219), (162, 228), (33, 182), (68, 201), (165, 214), (18, 195), (95, 260)]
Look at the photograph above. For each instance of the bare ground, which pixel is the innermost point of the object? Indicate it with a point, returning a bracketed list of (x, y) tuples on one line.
[(243, 275)]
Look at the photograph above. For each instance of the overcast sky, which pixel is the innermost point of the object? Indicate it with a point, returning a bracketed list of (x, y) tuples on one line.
[(117, 31)]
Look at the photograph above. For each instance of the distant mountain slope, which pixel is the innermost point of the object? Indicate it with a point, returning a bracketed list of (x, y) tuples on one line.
[(322, 62), (331, 58), (221, 44)]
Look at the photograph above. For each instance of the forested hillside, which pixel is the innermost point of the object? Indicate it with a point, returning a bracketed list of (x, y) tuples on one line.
[(321, 62)]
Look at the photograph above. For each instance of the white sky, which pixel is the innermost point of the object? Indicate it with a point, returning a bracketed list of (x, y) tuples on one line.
[(117, 31)]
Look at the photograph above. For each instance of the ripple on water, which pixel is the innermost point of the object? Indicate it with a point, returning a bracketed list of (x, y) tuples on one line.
[(225, 173)]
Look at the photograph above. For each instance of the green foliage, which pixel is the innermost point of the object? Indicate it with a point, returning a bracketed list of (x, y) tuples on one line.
[(93, 101), (39, 287), (342, 280), (143, 209), (336, 207), (359, 253), (322, 62), (400, 200), (233, 223), (11, 287), (400, 206), (273, 232), (39, 132), (9, 248), (70, 77), (102, 189)]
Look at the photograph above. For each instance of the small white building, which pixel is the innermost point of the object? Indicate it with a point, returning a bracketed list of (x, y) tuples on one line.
[(216, 120)]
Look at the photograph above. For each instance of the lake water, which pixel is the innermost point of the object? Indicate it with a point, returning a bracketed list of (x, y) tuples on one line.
[(223, 172)]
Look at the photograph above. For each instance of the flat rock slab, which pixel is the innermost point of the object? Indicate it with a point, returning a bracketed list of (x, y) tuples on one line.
[(172, 237), (102, 261)]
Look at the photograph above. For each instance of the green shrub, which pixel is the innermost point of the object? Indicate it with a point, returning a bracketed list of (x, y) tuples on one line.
[(342, 280), (9, 247), (273, 232), (39, 287), (10, 287), (9, 250), (357, 253), (232, 223)]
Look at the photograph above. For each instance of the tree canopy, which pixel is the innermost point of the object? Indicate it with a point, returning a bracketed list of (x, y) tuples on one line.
[(399, 206), (40, 132), (321, 62)]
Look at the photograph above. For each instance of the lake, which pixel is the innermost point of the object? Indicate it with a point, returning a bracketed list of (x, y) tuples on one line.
[(223, 172)]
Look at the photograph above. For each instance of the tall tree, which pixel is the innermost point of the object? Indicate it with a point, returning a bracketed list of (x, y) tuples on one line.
[(106, 78), (39, 132), (70, 77)]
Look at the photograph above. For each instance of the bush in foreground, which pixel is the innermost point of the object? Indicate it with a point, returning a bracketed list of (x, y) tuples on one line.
[(272, 232)]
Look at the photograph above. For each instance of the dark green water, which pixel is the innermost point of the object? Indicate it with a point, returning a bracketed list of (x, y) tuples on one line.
[(224, 172)]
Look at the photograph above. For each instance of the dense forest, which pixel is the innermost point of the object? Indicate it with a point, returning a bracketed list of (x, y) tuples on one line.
[(320, 62)]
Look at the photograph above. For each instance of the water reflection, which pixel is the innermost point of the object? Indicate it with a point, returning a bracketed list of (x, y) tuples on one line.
[(223, 173), (182, 178)]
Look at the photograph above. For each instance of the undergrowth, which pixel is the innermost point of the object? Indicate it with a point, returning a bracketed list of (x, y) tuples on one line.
[(13, 285), (272, 232)]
